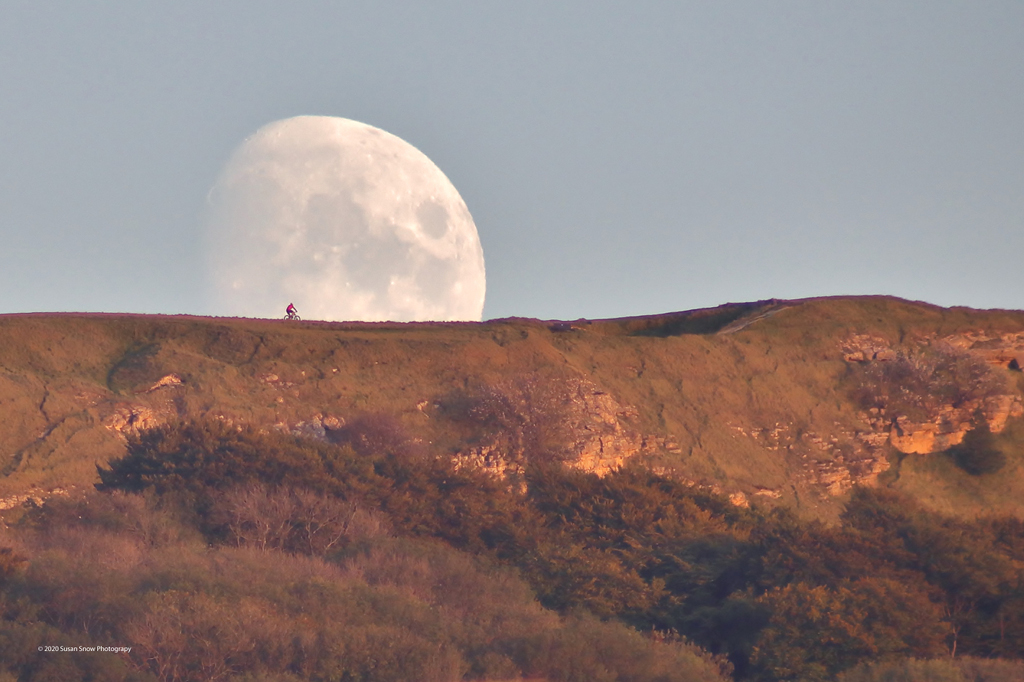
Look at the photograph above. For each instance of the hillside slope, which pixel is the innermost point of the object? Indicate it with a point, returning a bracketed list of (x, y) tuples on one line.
[(775, 402)]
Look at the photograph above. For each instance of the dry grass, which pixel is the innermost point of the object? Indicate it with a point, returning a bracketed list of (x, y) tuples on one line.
[(62, 376)]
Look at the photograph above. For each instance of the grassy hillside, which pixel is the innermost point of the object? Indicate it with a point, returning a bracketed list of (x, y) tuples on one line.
[(750, 398)]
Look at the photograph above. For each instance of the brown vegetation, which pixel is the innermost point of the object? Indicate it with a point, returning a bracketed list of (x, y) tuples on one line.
[(381, 566), (746, 398), (916, 384), (290, 502), (385, 609)]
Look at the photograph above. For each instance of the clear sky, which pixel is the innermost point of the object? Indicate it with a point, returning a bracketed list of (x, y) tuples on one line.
[(619, 158)]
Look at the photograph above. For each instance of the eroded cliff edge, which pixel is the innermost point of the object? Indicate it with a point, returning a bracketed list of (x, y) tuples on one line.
[(774, 402)]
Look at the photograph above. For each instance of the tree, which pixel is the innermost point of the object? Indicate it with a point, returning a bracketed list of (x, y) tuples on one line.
[(816, 632)]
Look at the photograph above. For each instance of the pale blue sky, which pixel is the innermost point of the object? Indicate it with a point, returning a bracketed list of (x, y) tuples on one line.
[(618, 158)]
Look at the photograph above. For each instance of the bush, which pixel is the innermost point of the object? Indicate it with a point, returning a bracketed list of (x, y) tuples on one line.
[(110, 567), (526, 417), (588, 650), (990, 670), (978, 453), (815, 632), (293, 520), (916, 384), (907, 670), (200, 456), (378, 433), (782, 598), (937, 670)]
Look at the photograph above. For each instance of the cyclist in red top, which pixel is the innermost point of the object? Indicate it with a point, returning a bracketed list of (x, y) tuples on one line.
[(290, 311)]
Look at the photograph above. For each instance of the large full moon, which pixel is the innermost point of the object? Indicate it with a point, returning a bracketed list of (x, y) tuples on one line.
[(344, 220)]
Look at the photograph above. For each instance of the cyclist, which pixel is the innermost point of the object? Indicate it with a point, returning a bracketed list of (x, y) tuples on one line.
[(291, 312)]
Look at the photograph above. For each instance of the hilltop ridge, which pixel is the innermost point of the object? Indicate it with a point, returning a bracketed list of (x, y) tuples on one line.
[(769, 402)]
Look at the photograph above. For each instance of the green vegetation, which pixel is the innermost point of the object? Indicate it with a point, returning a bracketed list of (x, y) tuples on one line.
[(226, 553)]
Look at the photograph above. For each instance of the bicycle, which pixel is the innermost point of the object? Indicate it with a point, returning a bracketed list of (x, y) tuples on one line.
[(292, 316)]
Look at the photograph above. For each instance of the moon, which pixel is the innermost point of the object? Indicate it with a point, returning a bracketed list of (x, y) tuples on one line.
[(344, 220)]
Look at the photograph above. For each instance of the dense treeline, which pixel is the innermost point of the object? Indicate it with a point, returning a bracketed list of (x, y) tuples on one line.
[(120, 569), (231, 554)]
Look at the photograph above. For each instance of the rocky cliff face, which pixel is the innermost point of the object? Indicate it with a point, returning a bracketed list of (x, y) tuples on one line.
[(789, 403), (920, 398), (947, 383), (568, 418), (603, 435)]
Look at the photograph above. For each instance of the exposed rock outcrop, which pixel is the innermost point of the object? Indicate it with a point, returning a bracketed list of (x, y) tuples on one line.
[(603, 438), (35, 496), (950, 425), (130, 419), (489, 460), (595, 431), (961, 367), (833, 463), (765, 409), (865, 348), (167, 381), (1002, 350)]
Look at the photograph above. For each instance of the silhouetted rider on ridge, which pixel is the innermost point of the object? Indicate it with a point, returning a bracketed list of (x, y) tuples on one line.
[(290, 312)]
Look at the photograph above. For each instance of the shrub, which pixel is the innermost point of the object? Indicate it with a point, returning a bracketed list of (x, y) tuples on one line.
[(782, 598), (990, 670), (907, 670), (916, 383), (378, 433), (978, 453), (194, 635), (937, 670), (210, 455), (10, 562), (294, 520), (148, 519), (815, 632), (529, 416), (589, 650)]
